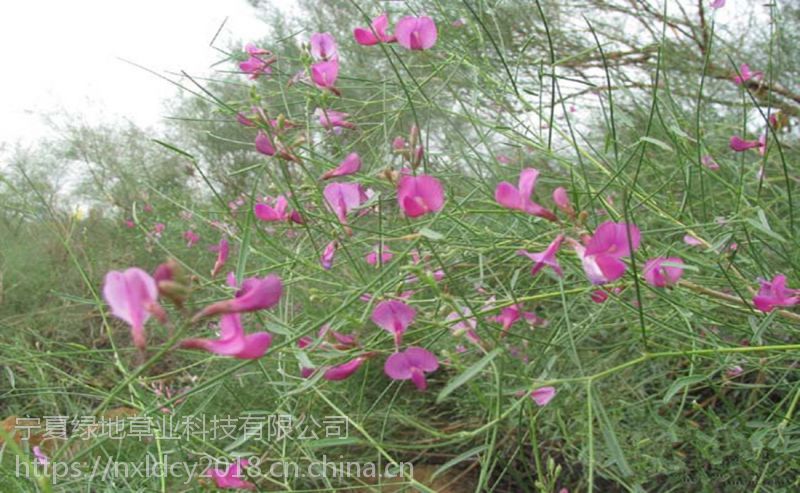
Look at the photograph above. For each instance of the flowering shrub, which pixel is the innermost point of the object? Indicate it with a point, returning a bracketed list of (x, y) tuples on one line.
[(469, 279)]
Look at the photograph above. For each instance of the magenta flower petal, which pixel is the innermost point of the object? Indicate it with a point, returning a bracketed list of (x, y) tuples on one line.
[(255, 345), (691, 240), (463, 322), (659, 275), (232, 340), (254, 294), (372, 256), (331, 120), (41, 458), (419, 195), (612, 239), (561, 199), (738, 144), (255, 66), (717, 4), (343, 198), (542, 396), (734, 371), (324, 74), (379, 24), (709, 163), (422, 358), (350, 165), (132, 296), (222, 249), (344, 370), (323, 46), (527, 181), (277, 212), (599, 296), (264, 144), (394, 317), (397, 367), (366, 37), (416, 33), (773, 294), (518, 198), (546, 258), (231, 477), (411, 364), (612, 268), (507, 195), (326, 260)]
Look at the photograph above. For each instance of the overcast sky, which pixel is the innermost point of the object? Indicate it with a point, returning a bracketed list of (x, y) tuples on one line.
[(63, 55)]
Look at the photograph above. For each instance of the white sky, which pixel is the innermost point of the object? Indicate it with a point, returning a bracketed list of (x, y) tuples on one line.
[(62, 55)]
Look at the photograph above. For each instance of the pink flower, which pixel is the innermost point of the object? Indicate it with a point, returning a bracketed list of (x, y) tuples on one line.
[(762, 144), (191, 238), (323, 47), (691, 240), (464, 323), (343, 341), (709, 163), (222, 249), (511, 314), (256, 65), (343, 198), (148, 208), (344, 370), (599, 296), (332, 120), (232, 340), (602, 254), (774, 294), (255, 293), (159, 228), (132, 296), (40, 457), (745, 75), (717, 4), (326, 259), (243, 120), (561, 198), (512, 197), (366, 36), (324, 74), (231, 477), (740, 145), (543, 395), (416, 33), (546, 258), (411, 364), (659, 275), (394, 317), (272, 213), (419, 195), (264, 144), (734, 371), (350, 165), (399, 143), (372, 256), (130, 224)]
